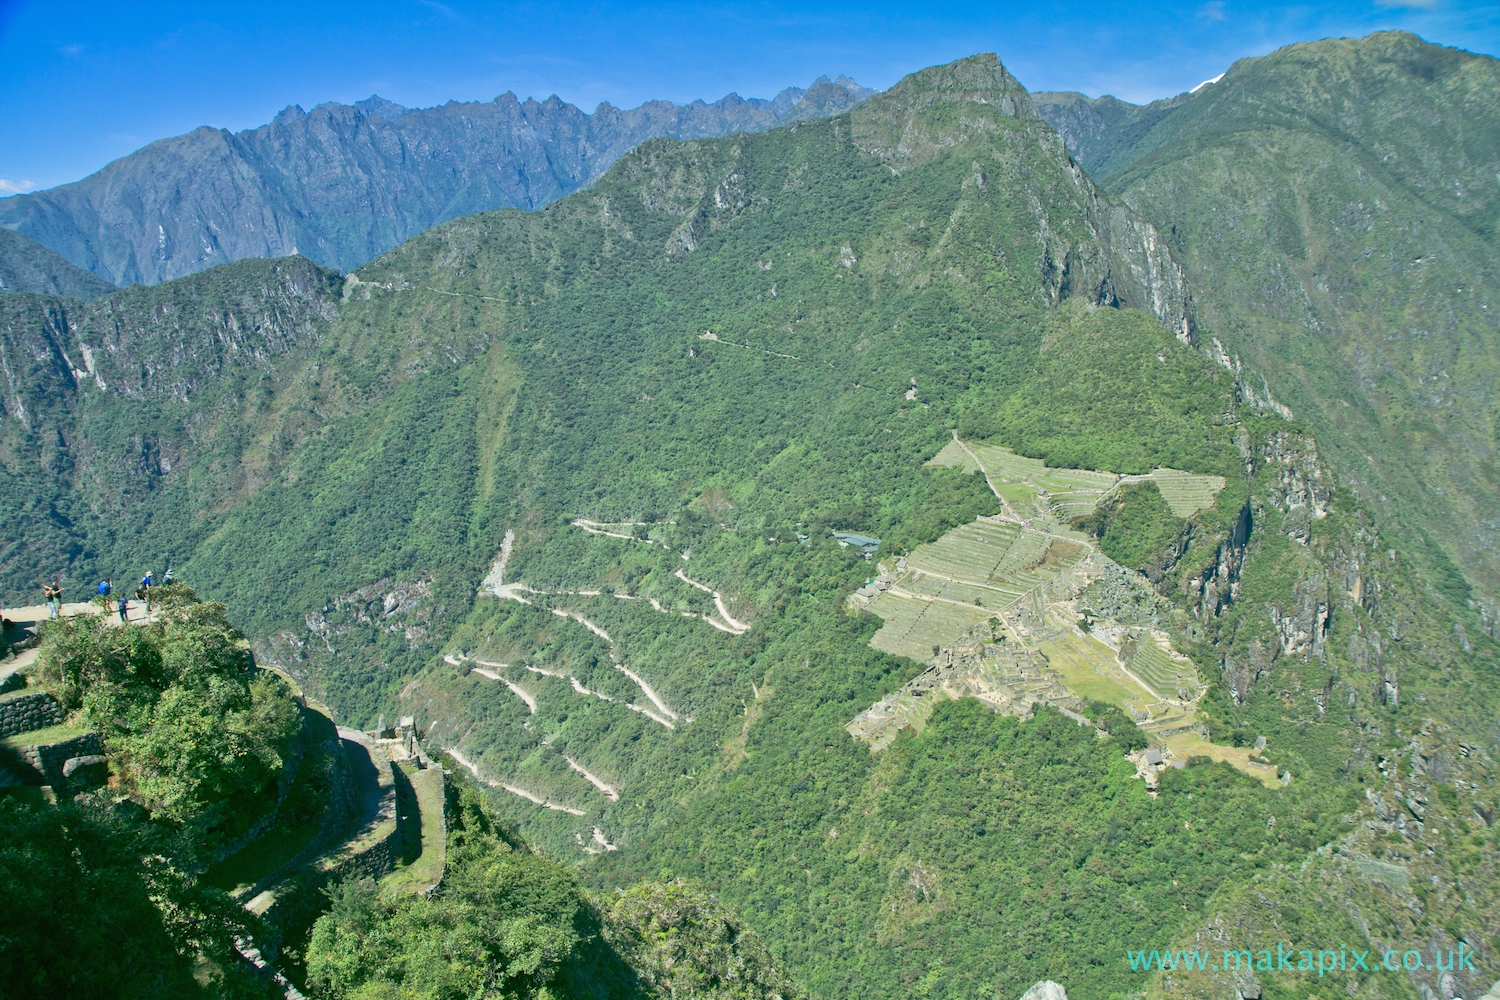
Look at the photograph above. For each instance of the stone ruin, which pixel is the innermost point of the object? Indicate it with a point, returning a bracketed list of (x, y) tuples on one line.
[(984, 663)]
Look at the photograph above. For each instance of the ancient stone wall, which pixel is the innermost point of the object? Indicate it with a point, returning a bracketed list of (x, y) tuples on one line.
[(26, 712), (47, 759)]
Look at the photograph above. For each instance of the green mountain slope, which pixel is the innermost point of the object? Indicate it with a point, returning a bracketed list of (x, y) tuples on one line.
[(1334, 203), (563, 489), (1103, 133), (27, 266)]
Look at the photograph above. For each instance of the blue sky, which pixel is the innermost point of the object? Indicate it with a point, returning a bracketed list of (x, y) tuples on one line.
[(84, 83)]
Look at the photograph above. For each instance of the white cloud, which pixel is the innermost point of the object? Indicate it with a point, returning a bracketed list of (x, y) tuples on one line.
[(15, 187), (1212, 11)]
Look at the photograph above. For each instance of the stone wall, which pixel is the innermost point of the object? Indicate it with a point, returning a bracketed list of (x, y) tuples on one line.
[(26, 712), (46, 760)]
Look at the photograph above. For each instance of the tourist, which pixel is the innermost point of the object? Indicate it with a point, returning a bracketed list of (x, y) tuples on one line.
[(53, 594), (124, 607), (146, 590)]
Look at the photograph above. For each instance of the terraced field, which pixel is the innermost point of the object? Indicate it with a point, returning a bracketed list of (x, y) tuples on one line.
[(954, 456), (1030, 486), (1166, 675), (1185, 493), (1026, 569), (973, 572), (915, 627)]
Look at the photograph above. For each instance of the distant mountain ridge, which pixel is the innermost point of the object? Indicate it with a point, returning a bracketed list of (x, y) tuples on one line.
[(27, 266), (1103, 133), (341, 184)]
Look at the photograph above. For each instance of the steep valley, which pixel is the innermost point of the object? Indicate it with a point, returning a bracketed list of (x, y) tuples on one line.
[(562, 486)]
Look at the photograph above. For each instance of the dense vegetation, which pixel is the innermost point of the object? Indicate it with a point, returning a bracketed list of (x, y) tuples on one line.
[(195, 732), (97, 908), (509, 922), (1335, 205), (101, 888), (512, 372), (1134, 525)]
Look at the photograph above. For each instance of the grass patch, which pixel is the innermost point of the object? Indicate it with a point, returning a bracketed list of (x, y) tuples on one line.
[(42, 737)]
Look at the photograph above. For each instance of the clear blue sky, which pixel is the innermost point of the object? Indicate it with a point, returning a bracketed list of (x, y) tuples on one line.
[(84, 83)]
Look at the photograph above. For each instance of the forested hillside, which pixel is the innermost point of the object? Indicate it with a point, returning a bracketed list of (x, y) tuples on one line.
[(343, 183), (1335, 203), (562, 485)]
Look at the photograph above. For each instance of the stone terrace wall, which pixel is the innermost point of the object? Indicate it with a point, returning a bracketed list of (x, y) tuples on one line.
[(47, 759), (25, 712)]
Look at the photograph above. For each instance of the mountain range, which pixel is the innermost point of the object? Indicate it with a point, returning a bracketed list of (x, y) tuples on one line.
[(344, 183), (1175, 631)]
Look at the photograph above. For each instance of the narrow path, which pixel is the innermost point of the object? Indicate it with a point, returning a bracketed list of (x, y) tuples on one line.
[(532, 797), (585, 691), (512, 592), (514, 689), (735, 626), (649, 714), (597, 528), (559, 612), (710, 335), (609, 792), (646, 688), (640, 682)]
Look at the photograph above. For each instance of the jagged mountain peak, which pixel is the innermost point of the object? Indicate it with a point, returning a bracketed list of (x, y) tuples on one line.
[(980, 79), (344, 183), (377, 105)]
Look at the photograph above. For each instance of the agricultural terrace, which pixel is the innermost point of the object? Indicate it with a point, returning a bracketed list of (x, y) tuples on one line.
[(1185, 493), (972, 573), (1034, 490), (1021, 573)]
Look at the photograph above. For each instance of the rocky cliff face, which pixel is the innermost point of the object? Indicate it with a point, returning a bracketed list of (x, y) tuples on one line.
[(1114, 259), (1334, 205), (1104, 133), (341, 184), (122, 415), (168, 345)]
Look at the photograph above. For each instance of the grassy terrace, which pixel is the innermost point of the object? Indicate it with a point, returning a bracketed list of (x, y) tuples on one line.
[(422, 863), (1087, 668), (42, 737), (1167, 675), (914, 627), (1185, 493)]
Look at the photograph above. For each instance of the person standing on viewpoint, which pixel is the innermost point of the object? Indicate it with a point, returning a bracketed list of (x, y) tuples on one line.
[(124, 607), (52, 592), (146, 590)]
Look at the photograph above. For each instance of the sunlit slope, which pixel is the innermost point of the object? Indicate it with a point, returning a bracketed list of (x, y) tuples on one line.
[(832, 262), (1335, 204), (712, 353)]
